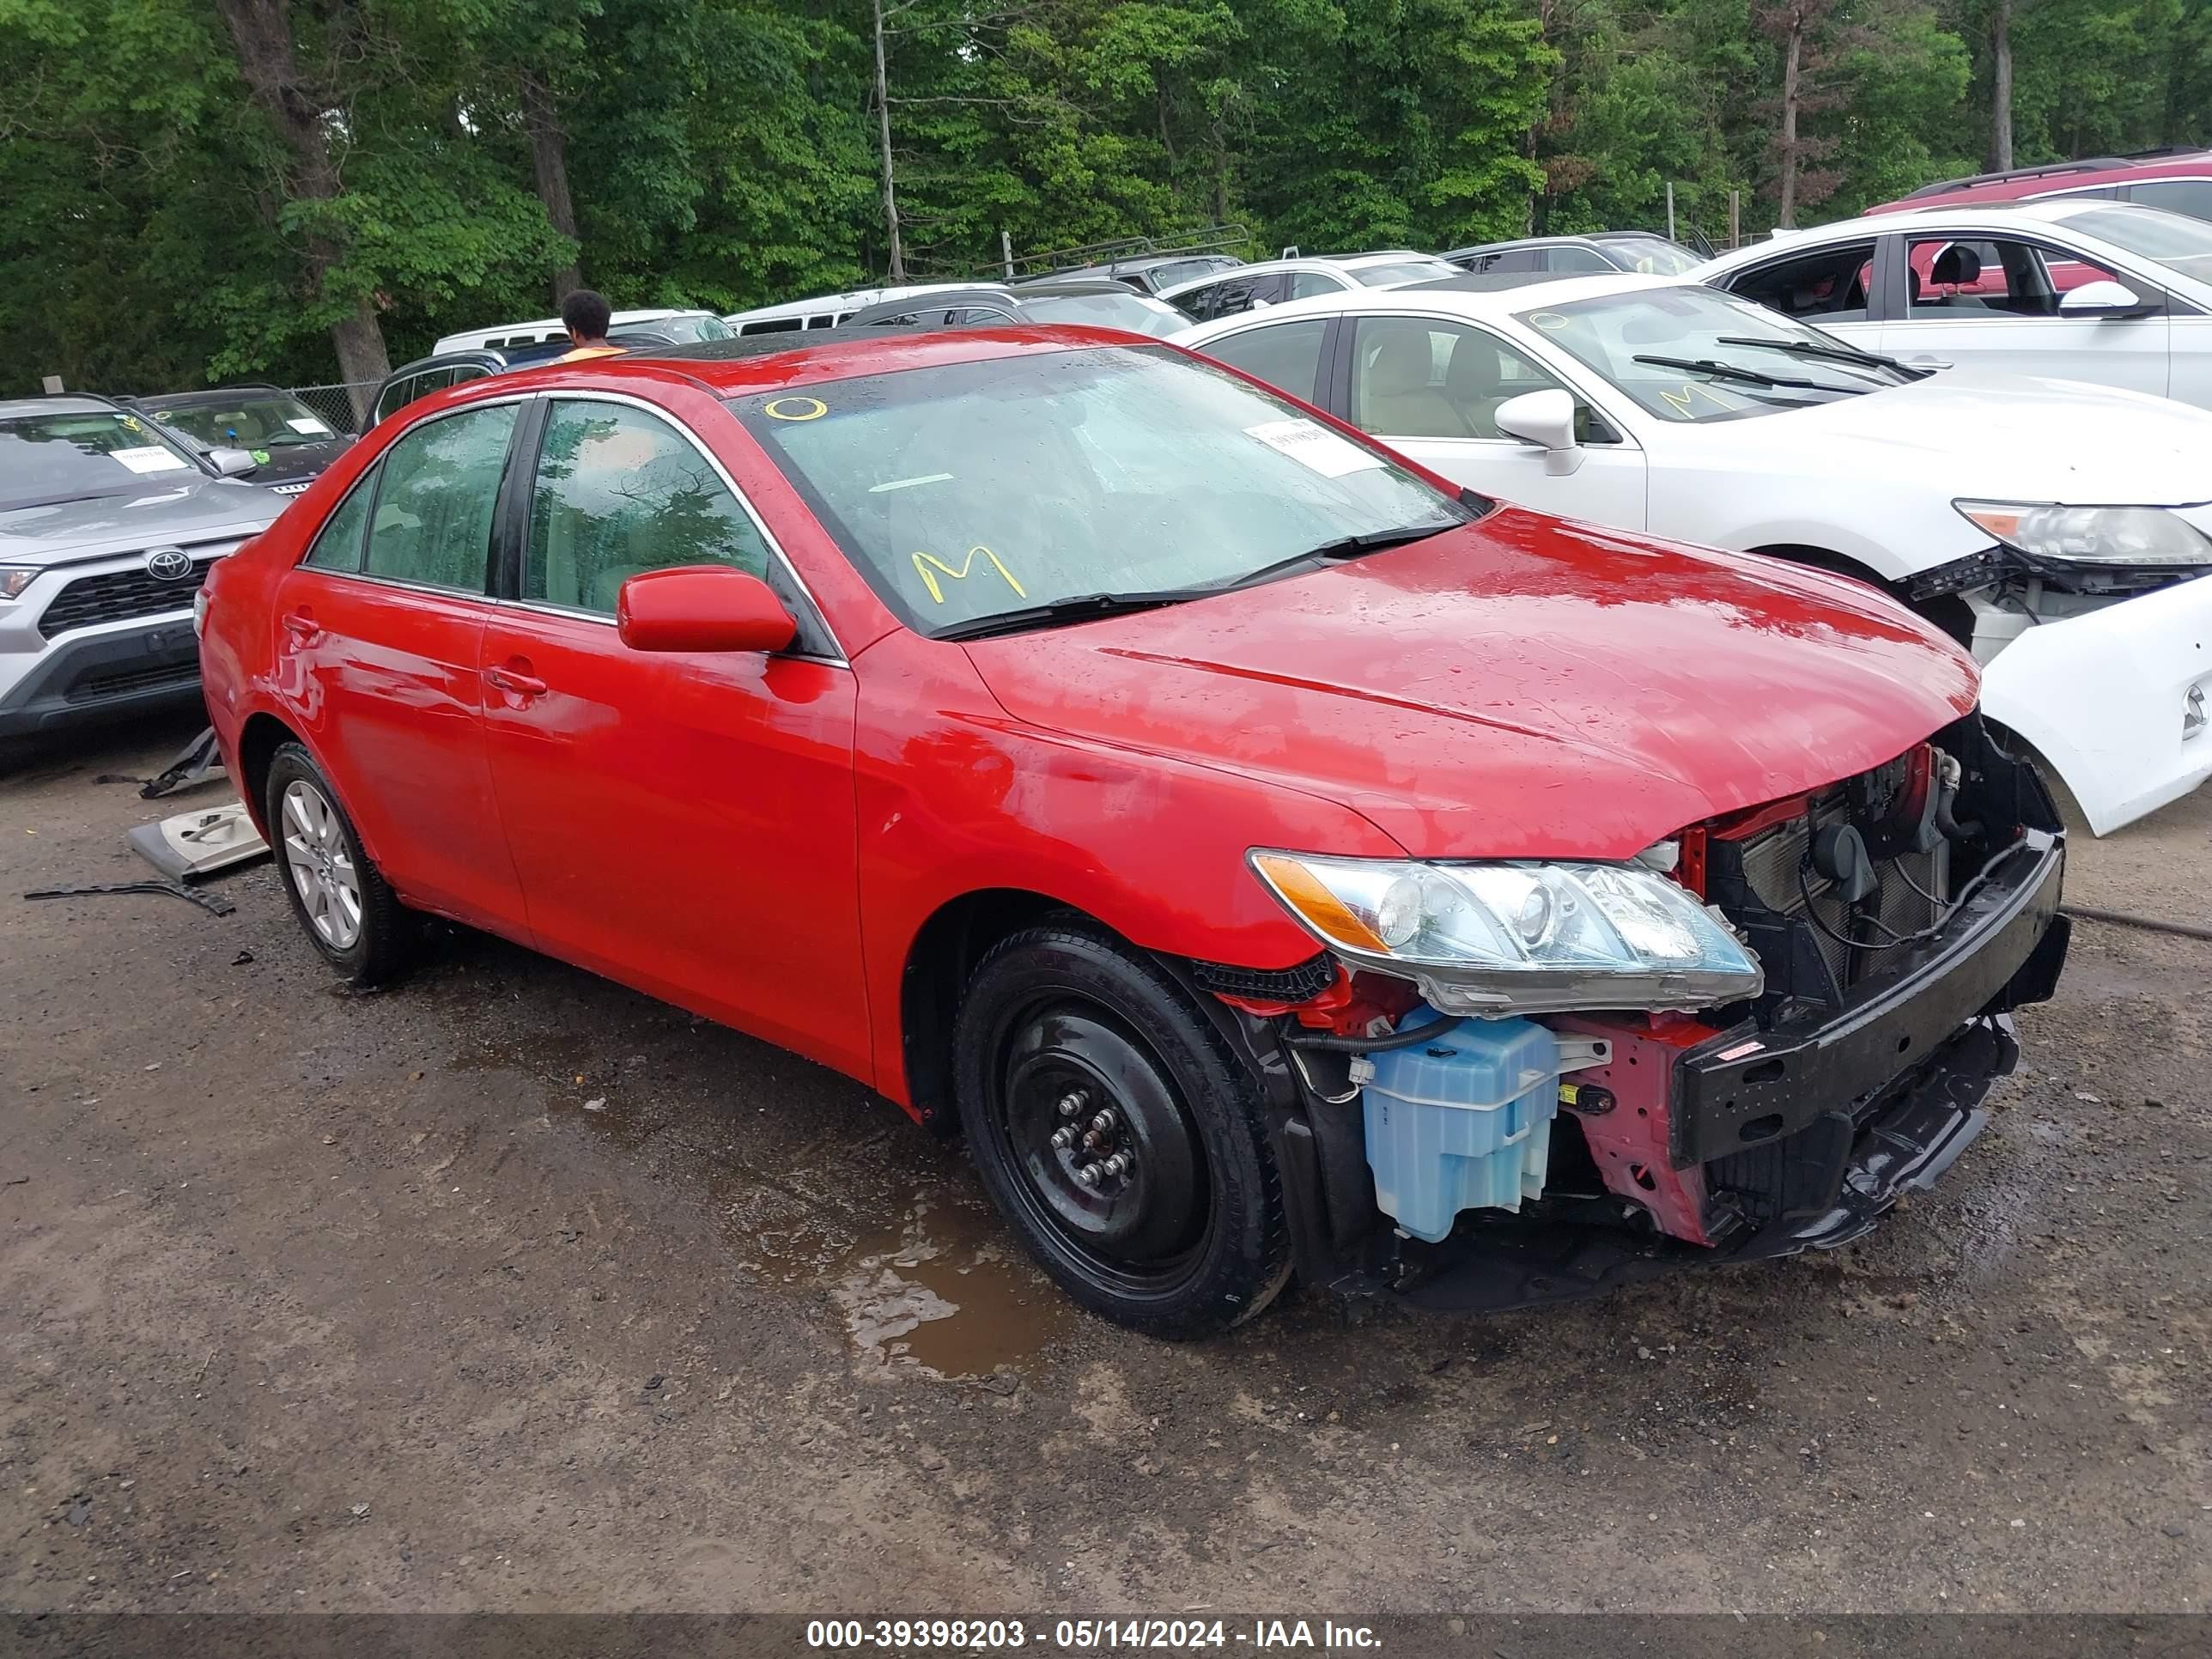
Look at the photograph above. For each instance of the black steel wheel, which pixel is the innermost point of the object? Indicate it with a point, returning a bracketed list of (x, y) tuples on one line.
[(1119, 1134)]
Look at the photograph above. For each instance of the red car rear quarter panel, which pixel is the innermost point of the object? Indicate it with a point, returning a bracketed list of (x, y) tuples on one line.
[(1524, 687), (955, 797)]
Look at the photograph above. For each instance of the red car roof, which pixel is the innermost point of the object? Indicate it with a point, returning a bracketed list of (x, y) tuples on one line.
[(735, 369), (2019, 184)]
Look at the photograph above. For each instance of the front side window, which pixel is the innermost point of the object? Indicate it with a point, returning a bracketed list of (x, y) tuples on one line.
[(966, 491), (1693, 354), (433, 523), (1287, 355), (2182, 243), (1990, 279), (48, 458), (1652, 256), (621, 492), (1830, 285), (1415, 377), (2189, 196), (1137, 312), (337, 545), (1400, 272), (1578, 262)]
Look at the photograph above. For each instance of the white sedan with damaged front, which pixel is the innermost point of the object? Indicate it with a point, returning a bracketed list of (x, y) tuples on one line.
[(2058, 530)]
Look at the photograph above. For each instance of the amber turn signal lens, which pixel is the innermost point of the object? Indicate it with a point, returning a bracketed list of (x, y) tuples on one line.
[(1323, 911)]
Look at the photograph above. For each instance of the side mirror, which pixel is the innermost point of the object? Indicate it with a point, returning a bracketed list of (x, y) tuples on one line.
[(2102, 298), (701, 608), (1545, 419), (231, 463)]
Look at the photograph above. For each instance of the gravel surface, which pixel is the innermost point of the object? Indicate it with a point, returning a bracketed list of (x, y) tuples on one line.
[(509, 1289)]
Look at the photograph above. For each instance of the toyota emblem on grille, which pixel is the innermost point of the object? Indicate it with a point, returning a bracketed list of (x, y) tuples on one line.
[(168, 564)]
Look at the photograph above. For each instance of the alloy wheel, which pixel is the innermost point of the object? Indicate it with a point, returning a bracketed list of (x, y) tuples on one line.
[(321, 864)]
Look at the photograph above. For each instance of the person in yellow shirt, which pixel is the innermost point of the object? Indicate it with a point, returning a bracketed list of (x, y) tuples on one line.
[(587, 314)]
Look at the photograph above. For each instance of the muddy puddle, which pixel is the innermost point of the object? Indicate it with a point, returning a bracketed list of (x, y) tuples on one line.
[(947, 1292), (887, 1227)]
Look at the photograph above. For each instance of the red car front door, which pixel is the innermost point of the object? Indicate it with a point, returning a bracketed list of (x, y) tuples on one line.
[(683, 822), (378, 636)]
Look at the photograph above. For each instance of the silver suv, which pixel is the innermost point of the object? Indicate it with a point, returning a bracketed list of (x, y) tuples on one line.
[(107, 528)]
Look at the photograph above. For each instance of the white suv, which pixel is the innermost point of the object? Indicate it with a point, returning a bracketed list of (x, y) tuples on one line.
[(107, 527)]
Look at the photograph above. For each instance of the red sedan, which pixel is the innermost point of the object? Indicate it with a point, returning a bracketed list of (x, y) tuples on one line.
[(1271, 858)]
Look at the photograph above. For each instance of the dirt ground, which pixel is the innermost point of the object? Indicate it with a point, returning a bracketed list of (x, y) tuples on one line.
[(509, 1289)]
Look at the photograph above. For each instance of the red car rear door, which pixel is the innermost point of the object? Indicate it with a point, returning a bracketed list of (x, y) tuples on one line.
[(378, 638), (684, 823)]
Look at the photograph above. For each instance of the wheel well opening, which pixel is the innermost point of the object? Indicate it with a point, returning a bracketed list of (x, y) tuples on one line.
[(1945, 611), (1836, 564), (257, 744), (942, 961)]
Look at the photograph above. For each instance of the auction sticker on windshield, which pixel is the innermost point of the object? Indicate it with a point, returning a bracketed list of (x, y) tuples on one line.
[(150, 459), (1314, 447), (310, 425)]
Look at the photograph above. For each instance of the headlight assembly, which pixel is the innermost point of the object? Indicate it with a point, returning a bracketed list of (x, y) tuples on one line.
[(2102, 535), (14, 578), (1518, 938)]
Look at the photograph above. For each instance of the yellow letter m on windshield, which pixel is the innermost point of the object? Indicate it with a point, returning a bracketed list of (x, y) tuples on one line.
[(930, 568)]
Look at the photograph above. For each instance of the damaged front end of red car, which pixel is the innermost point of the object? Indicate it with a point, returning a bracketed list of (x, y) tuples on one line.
[(1897, 918)]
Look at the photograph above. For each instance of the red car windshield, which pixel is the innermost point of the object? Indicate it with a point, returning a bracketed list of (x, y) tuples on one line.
[(972, 490)]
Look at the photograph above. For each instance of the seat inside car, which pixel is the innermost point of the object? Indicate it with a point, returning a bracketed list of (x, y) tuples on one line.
[(1957, 266), (1475, 384), (1396, 394)]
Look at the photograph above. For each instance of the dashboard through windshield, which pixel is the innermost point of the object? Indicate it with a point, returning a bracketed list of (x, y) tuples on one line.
[(972, 490)]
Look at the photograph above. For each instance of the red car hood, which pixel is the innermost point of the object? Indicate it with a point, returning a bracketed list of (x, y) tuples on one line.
[(1522, 688)]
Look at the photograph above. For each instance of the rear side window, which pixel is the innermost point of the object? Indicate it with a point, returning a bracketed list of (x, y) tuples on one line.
[(1203, 303), (1287, 355), (621, 492), (2191, 196), (1829, 286), (1577, 262), (433, 523), (338, 546)]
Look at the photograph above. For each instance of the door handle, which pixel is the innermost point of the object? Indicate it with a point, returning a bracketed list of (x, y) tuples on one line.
[(516, 685), (301, 626)]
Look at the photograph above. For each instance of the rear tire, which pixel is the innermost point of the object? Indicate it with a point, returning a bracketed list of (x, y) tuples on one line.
[(347, 910), (1153, 1200)]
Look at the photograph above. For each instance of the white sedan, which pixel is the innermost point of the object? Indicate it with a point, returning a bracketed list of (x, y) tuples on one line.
[(2083, 288), (2056, 529)]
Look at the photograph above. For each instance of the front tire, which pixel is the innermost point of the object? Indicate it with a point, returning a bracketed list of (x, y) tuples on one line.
[(1119, 1134), (343, 903)]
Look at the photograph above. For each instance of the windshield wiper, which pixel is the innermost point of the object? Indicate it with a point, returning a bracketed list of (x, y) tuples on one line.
[(1344, 547), (1836, 354), (1087, 607), (1083, 607), (1721, 371)]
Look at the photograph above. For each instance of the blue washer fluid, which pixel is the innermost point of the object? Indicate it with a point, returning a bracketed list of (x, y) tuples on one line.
[(1461, 1121)]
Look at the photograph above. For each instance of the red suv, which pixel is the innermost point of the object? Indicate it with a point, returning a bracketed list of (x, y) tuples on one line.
[(2179, 180), (1271, 858)]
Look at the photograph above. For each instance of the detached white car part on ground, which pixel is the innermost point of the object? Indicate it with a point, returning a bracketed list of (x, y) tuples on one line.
[(2058, 529)]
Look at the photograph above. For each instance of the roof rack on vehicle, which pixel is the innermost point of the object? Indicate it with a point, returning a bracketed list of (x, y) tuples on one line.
[(2048, 170), (1211, 238)]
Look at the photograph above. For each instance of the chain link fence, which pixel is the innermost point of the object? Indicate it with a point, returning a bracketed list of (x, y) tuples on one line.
[(338, 404)]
